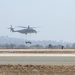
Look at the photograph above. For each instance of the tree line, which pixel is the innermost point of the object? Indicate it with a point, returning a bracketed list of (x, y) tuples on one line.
[(49, 46)]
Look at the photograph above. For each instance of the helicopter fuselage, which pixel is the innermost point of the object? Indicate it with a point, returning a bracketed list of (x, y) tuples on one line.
[(26, 31)]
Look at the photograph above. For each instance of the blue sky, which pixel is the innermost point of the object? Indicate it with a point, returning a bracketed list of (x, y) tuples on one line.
[(56, 18)]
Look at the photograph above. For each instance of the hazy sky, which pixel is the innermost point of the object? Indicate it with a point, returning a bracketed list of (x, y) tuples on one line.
[(56, 18)]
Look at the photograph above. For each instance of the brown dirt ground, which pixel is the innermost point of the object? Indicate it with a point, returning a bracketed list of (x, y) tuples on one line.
[(37, 69), (46, 51)]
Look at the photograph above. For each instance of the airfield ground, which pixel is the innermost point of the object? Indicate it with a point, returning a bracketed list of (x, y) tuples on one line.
[(44, 51), (37, 70), (28, 69)]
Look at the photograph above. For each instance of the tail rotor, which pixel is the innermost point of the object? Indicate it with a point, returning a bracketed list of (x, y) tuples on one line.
[(11, 29)]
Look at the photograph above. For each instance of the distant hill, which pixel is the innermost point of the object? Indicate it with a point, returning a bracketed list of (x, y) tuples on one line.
[(18, 41), (9, 40)]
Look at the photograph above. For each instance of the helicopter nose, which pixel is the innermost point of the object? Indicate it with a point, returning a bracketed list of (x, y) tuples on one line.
[(36, 32)]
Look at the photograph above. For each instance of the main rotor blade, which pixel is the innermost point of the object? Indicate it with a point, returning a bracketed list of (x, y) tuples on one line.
[(27, 27), (34, 27), (22, 27)]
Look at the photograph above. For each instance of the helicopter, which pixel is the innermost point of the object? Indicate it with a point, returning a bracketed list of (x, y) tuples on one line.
[(24, 30)]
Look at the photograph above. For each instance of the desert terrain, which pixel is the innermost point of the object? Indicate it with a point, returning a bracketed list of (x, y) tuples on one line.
[(44, 51), (37, 69), (42, 69)]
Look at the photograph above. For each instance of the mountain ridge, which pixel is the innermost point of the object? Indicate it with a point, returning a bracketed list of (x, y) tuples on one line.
[(18, 41)]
